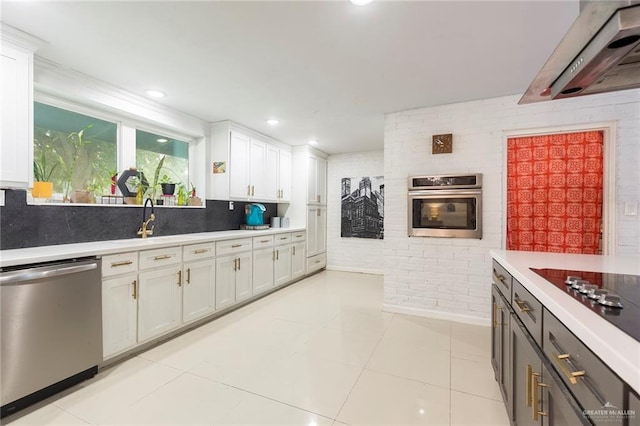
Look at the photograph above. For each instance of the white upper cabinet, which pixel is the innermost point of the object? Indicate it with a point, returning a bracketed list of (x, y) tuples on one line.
[(317, 180), (16, 103), (243, 165)]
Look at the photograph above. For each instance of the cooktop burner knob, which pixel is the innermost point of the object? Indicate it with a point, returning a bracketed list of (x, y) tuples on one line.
[(610, 300), (586, 288), (571, 279), (595, 293), (579, 283)]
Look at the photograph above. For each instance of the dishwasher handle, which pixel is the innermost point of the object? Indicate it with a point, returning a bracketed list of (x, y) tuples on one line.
[(39, 273)]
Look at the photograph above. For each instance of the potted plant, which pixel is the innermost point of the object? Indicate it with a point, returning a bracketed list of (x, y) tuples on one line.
[(168, 187), (42, 185)]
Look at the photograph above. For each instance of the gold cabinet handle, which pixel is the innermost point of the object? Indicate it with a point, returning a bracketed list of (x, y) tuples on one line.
[(284, 238), (253, 190), (500, 277), (318, 198), (529, 381), (248, 189), (294, 250), (122, 263), (318, 261), (318, 212), (299, 236), (522, 305), (135, 289), (239, 264), (235, 264), (200, 251), (277, 254), (535, 384), (188, 275), (163, 257), (264, 241), (562, 360), (180, 278), (495, 315), (236, 245)]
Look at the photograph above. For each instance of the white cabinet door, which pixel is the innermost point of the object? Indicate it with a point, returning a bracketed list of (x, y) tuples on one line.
[(312, 171), (272, 171), (199, 290), (225, 281), (257, 169), (321, 229), (244, 276), (263, 269), (282, 266), (312, 232), (284, 181), (321, 180), (298, 260), (239, 149), (119, 314), (159, 302), (16, 101)]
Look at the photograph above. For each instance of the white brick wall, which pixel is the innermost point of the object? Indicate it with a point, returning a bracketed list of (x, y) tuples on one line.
[(451, 278), (351, 254)]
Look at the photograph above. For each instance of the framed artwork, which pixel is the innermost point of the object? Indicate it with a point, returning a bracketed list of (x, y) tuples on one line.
[(362, 207)]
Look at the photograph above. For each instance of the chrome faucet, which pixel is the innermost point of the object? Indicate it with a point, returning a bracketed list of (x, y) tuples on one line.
[(143, 231)]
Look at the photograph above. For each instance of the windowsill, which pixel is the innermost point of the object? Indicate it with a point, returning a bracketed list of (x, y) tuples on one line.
[(45, 202)]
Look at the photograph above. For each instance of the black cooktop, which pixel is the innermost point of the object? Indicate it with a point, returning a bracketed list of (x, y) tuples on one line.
[(627, 287)]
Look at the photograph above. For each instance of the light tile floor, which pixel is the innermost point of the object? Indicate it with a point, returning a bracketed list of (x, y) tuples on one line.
[(320, 352)]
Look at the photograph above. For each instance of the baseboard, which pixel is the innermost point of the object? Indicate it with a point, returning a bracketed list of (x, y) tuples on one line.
[(358, 270), (449, 316)]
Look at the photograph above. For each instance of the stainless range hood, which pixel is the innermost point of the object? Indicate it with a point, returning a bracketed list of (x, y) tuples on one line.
[(600, 53)]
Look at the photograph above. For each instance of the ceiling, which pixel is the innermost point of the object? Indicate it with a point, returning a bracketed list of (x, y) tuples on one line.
[(328, 70)]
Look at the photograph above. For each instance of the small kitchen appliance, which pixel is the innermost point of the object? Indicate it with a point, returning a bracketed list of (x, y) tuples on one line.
[(253, 213), (614, 297)]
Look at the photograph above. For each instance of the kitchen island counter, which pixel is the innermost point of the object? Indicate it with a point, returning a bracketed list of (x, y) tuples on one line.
[(31, 255), (617, 349)]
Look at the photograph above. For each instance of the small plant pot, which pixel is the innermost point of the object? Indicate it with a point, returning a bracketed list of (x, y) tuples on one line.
[(84, 197), (42, 189), (168, 188)]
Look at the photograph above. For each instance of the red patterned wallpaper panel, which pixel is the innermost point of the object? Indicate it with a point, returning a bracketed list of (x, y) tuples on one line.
[(554, 192)]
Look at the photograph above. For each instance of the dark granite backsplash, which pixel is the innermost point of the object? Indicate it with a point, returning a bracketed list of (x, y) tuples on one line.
[(23, 225)]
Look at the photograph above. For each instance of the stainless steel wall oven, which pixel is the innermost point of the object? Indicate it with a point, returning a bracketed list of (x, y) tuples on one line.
[(447, 206)]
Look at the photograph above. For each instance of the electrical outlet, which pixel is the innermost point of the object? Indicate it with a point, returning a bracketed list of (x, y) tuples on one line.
[(630, 209), (230, 205)]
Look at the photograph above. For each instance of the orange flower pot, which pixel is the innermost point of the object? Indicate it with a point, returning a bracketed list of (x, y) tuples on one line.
[(42, 189)]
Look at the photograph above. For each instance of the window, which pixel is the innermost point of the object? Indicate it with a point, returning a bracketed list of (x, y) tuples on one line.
[(151, 148), (74, 151)]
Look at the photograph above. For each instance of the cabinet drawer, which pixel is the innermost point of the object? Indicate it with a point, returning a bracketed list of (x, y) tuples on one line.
[(592, 383), (528, 309), (115, 264), (298, 236), (160, 257), (198, 251), (263, 241), (316, 262), (233, 246), (502, 279), (281, 239)]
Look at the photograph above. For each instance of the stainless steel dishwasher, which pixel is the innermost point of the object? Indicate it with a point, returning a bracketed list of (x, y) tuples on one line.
[(51, 325)]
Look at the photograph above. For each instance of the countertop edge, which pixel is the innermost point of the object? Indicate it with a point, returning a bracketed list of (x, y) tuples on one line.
[(619, 351), (24, 256)]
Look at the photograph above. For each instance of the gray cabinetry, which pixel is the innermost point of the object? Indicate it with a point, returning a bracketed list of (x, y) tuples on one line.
[(500, 358)]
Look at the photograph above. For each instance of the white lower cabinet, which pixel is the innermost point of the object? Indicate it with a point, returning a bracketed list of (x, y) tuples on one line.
[(119, 313), (317, 230), (199, 289), (159, 302), (244, 277), (298, 259), (282, 264), (263, 260), (233, 279)]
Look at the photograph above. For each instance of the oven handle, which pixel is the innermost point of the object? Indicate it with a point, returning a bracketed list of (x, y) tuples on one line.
[(440, 193)]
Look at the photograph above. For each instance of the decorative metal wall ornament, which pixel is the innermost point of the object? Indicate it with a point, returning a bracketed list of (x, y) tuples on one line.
[(362, 207), (442, 144)]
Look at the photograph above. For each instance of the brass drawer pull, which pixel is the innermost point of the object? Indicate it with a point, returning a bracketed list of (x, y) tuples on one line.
[(299, 236), (318, 261), (236, 245), (188, 275), (529, 382), (495, 315), (535, 384), (284, 238), (561, 360), (522, 305), (163, 257), (264, 241), (122, 263), (200, 251), (500, 277), (135, 289), (180, 278)]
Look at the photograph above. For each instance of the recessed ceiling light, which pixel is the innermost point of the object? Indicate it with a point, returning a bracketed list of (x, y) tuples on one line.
[(162, 140), (313, 142), (155, 93), (273, 121), (360, 2)]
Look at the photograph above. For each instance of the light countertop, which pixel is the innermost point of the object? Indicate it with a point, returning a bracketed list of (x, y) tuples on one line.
[(617, 349), (99, 248)]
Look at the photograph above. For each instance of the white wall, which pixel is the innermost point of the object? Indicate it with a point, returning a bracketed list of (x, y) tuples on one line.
[(351, 254), (450, 278)]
